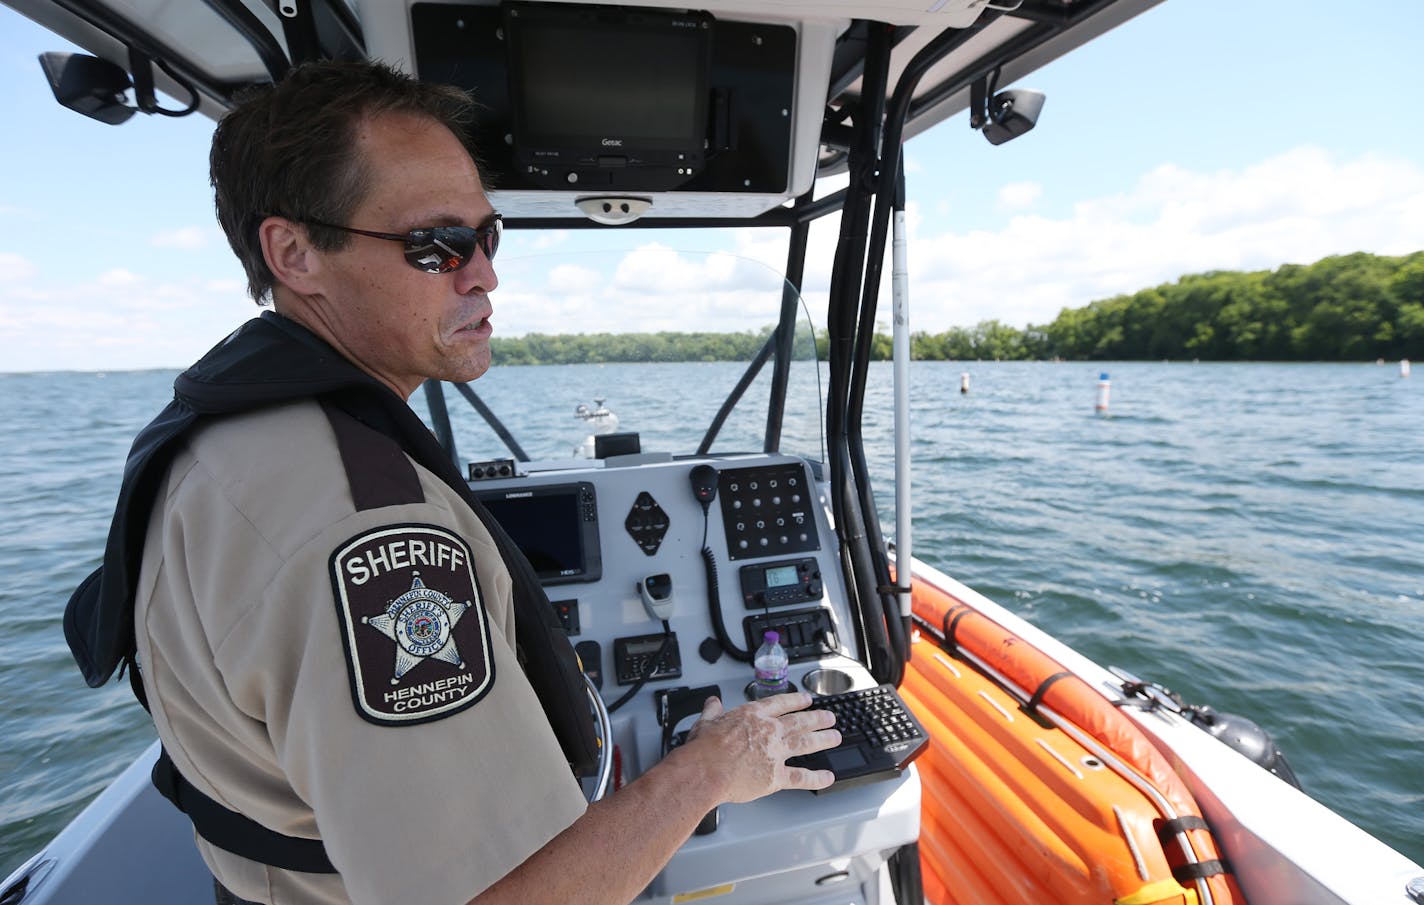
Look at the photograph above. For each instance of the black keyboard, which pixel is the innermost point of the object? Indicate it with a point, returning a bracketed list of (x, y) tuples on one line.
[(879, 737)]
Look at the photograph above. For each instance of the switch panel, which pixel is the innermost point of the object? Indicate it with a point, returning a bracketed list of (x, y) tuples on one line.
[(767, 511), (647, 523), (805, 634), (568, 613)]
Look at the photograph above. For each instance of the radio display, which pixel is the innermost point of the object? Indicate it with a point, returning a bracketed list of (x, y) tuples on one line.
[(780, 576)]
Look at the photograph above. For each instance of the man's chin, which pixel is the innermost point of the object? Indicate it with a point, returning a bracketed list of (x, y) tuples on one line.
[(470, 369)]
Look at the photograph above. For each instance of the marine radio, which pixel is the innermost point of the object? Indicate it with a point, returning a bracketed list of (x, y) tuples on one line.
[(781, 583)]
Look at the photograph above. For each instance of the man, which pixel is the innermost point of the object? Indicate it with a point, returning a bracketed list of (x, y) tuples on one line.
[(308, 548)]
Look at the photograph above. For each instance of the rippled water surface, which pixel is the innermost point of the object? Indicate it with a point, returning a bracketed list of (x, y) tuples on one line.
[(1251, 535)]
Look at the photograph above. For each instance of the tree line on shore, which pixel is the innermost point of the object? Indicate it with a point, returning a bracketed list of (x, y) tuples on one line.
[(600, 348), (1345, 308)]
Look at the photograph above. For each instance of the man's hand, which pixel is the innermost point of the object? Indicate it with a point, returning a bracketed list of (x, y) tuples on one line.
[(745, 749), (621, 842)]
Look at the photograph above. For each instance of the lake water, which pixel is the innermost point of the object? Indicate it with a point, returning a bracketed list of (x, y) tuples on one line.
[(1250, 535)]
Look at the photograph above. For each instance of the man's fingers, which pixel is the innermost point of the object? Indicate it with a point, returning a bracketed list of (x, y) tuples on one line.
[(801, 778), (809, 720), (781, 704), (711, 708), (811, 742)]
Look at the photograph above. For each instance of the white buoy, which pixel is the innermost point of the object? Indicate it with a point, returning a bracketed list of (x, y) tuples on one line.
[(964, 382), (1104, 391), (1404, 367)]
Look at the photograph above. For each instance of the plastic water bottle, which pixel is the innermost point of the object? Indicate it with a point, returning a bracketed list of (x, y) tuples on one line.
[(771, 667)]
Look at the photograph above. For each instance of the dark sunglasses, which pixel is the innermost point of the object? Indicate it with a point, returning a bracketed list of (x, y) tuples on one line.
[(438, 249)]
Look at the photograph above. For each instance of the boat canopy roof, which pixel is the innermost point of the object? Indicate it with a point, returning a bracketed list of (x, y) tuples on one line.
[(726, 113)]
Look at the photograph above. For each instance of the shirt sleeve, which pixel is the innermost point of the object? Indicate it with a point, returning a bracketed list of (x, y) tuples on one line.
[(397, 709)]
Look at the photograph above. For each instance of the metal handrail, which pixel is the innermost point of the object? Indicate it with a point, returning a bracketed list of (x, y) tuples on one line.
[(605, 742)]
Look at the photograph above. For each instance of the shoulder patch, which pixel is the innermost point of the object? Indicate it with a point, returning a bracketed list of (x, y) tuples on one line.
[(413, 624)]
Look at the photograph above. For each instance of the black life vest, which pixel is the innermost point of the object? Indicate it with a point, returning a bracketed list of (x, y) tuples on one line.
[(267, 361)]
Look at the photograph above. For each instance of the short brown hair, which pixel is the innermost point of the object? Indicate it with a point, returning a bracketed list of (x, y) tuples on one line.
[(289, 150)]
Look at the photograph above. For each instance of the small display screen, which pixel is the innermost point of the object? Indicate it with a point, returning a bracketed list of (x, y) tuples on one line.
[(640, 646), (780, 576), (569, 99), (544, 528), (573, 69)]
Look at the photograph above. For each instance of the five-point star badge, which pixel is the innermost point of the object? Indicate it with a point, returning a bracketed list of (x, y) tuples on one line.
[(420, 622)]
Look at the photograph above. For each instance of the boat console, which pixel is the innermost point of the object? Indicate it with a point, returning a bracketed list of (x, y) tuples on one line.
[(726, 547)]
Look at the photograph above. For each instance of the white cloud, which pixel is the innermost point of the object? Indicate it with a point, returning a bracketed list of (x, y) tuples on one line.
[(14, 268), (225, 287), (1019, 195), (573, 278), (1296, 207), (546, 240), (656, 268), (114, 321), (188, 238), (650, 288), (119, 277)]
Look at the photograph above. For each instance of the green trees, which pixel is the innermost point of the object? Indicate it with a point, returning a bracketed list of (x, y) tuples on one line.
[(990, 340), (1342, 308), (1407, 288), (598, 348), (1348, 307)]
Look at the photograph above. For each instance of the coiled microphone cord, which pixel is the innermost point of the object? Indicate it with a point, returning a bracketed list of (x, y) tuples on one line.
[(714, 599)]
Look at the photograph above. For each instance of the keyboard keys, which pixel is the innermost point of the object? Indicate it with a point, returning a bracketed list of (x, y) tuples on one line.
[(871, 720)]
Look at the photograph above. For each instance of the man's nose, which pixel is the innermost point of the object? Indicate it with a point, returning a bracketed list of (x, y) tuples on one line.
[(477, 275)]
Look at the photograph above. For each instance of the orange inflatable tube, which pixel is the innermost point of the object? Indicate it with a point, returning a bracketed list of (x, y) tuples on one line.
[(1016, 810)]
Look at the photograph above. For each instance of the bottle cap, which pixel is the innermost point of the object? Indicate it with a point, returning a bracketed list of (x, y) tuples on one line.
[(771, 638)]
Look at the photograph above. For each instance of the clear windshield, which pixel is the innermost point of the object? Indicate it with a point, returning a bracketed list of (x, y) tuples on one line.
[(647, 339)]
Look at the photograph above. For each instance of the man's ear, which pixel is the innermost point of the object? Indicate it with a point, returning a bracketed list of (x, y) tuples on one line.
[(290, 256)]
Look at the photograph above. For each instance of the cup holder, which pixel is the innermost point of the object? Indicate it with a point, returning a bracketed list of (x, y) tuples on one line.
[(827, 681)]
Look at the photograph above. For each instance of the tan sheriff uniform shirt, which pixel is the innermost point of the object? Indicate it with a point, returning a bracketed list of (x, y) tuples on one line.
[(340, 674)]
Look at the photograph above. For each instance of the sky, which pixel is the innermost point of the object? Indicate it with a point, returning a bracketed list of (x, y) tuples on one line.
[(1202, 135)]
